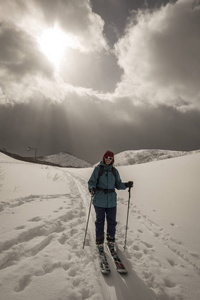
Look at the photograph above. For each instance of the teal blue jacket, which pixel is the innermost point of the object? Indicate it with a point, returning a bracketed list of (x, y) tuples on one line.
[(106, 181)]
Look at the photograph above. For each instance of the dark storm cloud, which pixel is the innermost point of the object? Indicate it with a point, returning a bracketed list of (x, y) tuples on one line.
[(87, 127), (19, 54)]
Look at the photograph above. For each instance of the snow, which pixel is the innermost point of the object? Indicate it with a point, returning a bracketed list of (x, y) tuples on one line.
[(133, 157), (64, 159), (43, 214)]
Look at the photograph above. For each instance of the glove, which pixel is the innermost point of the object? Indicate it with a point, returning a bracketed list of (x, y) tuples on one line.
[(129, 184), (92, 190)]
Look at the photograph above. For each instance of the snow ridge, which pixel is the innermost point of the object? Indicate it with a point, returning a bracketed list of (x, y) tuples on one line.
[(43, 213), (65, 159), (133, 157)]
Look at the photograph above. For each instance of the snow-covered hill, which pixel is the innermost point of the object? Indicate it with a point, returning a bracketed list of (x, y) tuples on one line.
[(65, 159), (43, 214), (133, 157)]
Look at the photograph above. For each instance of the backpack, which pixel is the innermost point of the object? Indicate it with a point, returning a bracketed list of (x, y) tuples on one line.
[(101, 171)]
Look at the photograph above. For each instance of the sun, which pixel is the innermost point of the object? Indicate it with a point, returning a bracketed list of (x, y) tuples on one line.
[(54, 43)]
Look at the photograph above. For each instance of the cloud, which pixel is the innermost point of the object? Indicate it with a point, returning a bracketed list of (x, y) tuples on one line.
[(73, 16), (19, 54), (98, 71), (79, 108), (22, 66), (160, 56), (26, 73), (86, 126)]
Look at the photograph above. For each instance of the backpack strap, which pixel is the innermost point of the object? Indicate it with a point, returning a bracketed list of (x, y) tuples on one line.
[(102, 170), (114, 171)]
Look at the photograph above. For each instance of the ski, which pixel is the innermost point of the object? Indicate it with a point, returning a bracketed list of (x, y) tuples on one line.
[(103, 263), (117, 261)]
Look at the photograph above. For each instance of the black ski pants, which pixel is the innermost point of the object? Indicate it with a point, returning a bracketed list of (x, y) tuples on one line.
[(110, 214)]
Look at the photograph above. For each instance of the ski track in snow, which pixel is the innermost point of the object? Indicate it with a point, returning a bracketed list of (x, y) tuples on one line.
[(41, 247), (53, 242), (147, 268), (115, 286), (143, 252), (174, 245)]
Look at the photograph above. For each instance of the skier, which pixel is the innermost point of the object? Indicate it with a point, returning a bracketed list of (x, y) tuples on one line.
[(102, 183)]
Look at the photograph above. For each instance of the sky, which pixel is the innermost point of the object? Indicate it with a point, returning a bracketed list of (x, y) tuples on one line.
[(84, 76)]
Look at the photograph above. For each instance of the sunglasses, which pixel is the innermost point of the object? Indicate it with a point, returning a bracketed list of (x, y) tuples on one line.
[(107, 157)]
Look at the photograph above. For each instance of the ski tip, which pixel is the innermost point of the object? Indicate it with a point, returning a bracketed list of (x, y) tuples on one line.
[(122, 271), (105, 272)]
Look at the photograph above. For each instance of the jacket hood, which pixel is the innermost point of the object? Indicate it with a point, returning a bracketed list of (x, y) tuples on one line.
[(108, 167)]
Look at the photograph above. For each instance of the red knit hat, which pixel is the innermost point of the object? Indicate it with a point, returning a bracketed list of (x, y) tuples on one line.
[(109, 154)]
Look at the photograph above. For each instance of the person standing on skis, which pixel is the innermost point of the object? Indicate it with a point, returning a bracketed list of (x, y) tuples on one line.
[(102, 184)]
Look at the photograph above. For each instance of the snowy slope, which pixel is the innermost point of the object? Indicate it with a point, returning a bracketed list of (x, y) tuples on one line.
[(43, 213), (133, 157), (66, 160)]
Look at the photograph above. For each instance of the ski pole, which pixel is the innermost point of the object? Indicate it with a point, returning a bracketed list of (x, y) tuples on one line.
[(129, 191), (87, 222)]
